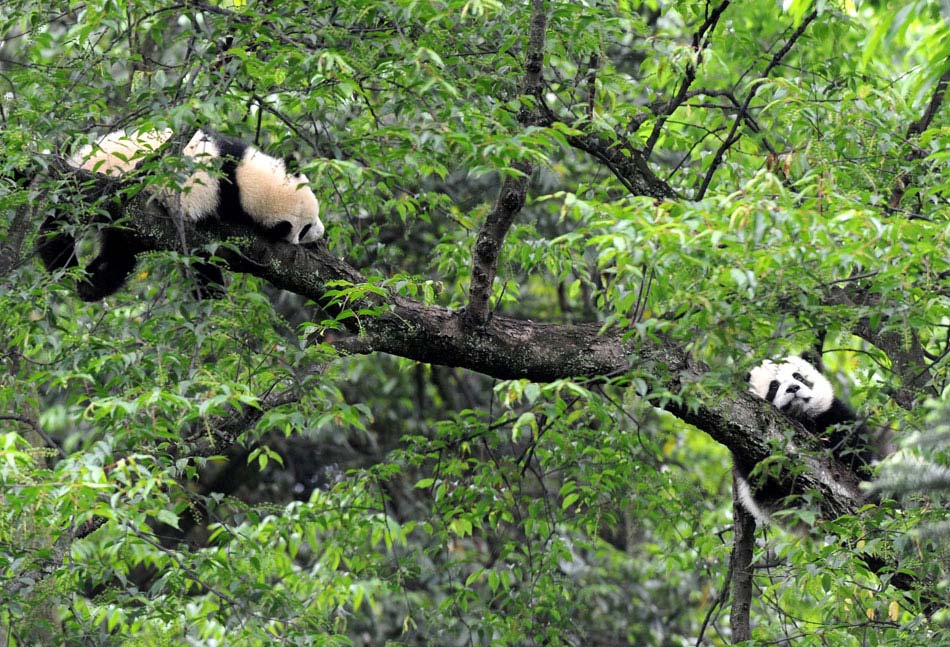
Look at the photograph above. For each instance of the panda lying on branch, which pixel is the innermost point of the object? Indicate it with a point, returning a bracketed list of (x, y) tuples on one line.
[(236, 183), (799, 390)]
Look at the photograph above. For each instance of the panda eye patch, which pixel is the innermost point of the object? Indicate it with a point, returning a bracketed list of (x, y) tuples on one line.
[(801, 378)]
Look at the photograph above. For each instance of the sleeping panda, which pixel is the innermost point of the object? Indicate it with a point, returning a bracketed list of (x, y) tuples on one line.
[(799, 390), (236, 183)]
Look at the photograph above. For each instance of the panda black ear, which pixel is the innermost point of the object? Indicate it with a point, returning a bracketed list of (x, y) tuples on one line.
[(748, 376), (814, 358), (291, 166)]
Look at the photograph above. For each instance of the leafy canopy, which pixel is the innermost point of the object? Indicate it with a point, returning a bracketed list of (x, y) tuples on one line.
[(734, 180)]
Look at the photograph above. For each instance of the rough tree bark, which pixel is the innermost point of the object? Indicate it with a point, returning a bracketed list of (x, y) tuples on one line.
[(743, 544)]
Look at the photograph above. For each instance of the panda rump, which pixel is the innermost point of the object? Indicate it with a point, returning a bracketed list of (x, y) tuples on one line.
[(248, 187)]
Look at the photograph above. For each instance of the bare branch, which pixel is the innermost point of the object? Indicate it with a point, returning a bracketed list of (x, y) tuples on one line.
[(699, 44), (915, 129), (733, 135), (490, 239)]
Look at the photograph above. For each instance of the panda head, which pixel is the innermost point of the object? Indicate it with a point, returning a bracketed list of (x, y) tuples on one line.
[(277, 200), (793, 386)]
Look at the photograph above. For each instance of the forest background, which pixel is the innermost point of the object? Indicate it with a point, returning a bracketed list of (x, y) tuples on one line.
[(501, 402)]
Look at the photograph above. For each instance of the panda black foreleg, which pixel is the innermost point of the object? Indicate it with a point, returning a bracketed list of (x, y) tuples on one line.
[(108, 271), (56, 247), (853, 445), (848, 439)]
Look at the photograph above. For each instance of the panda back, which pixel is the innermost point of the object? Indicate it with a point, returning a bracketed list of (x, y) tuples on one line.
[(209, 192), (217, 192)]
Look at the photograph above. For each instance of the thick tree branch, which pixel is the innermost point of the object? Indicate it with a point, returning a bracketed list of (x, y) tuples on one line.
[(740, 566), (490, 239), (505, 347), (511, 348), (514, 189)]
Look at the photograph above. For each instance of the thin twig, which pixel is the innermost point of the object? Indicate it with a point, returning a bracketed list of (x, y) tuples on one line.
[(733, 135), (699, 44)]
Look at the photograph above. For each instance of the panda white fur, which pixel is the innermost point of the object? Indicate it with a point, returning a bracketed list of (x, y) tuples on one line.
[(799, 390), (237, 183)]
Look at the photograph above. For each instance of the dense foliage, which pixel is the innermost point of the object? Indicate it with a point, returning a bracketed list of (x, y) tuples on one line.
[(668, 190)]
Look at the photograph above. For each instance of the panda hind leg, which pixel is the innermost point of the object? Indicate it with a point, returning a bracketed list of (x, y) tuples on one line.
[(108, 271), (209, 281)]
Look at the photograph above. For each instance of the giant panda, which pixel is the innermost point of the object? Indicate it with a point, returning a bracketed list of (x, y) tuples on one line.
[(236, 183), (798, 389)]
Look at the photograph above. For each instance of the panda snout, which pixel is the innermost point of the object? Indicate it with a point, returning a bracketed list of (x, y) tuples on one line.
[(311, 232), (792, 388)]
